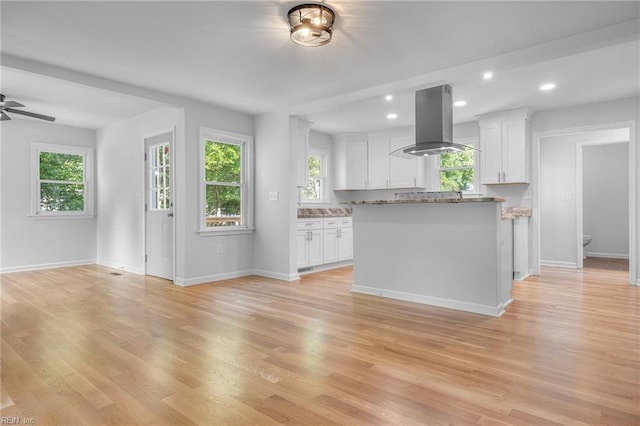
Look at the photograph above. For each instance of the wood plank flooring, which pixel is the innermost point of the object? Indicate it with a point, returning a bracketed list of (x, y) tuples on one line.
[(81, 346), (606, 263)]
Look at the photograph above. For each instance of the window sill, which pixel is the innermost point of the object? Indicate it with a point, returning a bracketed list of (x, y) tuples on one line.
[(217, 232), (60, 216)]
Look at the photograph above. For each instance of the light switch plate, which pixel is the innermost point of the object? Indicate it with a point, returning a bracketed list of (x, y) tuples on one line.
[(567, 196), (273, 196)]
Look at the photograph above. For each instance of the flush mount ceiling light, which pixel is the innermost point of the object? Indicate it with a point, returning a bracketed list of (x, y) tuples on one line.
[(547, 86), (311, 24)]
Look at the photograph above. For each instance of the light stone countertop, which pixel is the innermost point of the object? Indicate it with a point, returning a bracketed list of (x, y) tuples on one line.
[(432, 201), (324, 212)]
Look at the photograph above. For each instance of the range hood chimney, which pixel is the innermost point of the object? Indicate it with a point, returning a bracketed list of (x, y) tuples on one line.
[(434, 124)]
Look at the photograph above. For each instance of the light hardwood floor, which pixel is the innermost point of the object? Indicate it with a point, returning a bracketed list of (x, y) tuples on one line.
[(81, 346)]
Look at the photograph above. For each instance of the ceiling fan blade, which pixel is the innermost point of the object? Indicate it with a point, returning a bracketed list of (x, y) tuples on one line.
[(30, 114), (11, 104), (4, 117)]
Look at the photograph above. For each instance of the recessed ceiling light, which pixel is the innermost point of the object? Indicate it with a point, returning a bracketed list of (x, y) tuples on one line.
[(487, 75), (547, 86), (388, 97), (460, 103), (392, 116)]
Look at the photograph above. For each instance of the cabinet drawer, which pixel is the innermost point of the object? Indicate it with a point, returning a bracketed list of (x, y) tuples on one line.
[(309, 223), (331, 222), (345, 222)]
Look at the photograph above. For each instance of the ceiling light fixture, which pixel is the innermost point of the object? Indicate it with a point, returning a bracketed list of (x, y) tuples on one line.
[(311, 24), (547, 86), (487, 75), (388, 97), (392, 116), (460, 103)]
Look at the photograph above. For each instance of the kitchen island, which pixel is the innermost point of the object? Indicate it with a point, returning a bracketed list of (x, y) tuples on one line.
[(454, 253)]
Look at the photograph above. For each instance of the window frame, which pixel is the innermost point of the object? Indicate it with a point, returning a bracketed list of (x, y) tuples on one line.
[(246, 182), (475, 143), (88, 210), (324, 167)]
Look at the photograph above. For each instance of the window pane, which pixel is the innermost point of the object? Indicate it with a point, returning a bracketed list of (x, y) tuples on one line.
[(222, 162), (313, 189), (313, 166), (61, 197), (457, 159), (57, 166), (223, 205), (456, 180)]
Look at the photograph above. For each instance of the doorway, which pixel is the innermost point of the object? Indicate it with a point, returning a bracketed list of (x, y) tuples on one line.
[(159, 224), (557, 165)]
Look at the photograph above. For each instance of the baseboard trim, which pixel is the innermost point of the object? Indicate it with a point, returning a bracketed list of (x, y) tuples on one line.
[(494, 311), (606, 255), (557, 264), (186, 282), (276, 275), (327, 267), (26, 268), (126, 268), (521, 278)]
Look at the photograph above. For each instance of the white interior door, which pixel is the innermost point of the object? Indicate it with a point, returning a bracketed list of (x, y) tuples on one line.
[(159, 206)]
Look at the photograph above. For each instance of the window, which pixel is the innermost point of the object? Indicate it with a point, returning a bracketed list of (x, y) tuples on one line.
[(61, 180), (226, 186), (315, 191), (457, 170), (159, 176)]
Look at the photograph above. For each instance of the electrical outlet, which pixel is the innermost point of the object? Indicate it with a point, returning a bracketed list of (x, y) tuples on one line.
[(273, 196), (219, 248)]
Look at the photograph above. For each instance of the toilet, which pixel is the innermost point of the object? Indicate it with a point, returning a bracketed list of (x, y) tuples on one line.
[(586, 239)]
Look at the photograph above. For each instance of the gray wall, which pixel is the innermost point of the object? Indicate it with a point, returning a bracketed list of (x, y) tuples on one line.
[(29, 243), (605, 186)]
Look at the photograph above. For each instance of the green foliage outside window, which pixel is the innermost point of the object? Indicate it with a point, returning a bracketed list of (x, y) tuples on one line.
[(61, 181), (456, 170), (313, 188), (223, 187)]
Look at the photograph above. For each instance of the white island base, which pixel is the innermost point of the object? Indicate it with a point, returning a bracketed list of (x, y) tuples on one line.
[(455, 254)]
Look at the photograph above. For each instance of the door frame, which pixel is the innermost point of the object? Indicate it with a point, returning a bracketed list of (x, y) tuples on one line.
[(535, 166), (172, 150)]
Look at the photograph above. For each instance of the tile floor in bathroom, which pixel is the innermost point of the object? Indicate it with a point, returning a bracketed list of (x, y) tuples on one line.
[(606, 263)]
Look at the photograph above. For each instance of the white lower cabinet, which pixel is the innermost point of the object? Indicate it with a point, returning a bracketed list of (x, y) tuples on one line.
[(324, 240), (309, 242)]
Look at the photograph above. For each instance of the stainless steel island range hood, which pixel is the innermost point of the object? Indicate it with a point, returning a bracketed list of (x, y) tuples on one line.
[(434, 124)]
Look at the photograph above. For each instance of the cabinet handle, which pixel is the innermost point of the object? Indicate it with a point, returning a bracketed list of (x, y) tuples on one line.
[(504, 176), (498, 176), (339, 233)]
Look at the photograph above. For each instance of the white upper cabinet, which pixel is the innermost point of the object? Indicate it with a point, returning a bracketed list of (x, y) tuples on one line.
[(350, 161), (381, 170), (378, 161), (299, 133), (504, 146), (404, 172)]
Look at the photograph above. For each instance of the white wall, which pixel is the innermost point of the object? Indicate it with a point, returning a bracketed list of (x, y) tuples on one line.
[(605, 199), (29, 243), (274, 239), (120, 179), (198, 261), (557, 201), (621, 110)]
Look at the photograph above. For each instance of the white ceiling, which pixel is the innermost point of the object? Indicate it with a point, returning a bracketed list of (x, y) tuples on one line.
[(237, 54)]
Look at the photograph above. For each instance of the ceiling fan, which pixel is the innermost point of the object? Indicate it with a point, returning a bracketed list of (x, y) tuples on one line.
[(10, 107)]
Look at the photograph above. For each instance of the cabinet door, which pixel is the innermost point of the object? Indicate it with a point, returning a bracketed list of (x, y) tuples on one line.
[(302, 247), (315, 248), (514, 151), (491, 152), (356, 163), (345, 244), (330, 245), (403, 172), (378, 153)]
